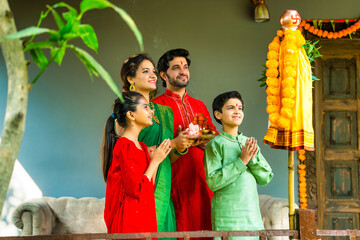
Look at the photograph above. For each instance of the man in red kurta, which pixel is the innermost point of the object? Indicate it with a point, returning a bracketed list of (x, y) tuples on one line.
[(190, 193)]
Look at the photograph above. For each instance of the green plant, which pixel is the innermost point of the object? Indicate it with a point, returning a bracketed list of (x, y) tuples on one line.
[(312, 53), (262, 80), (70, 28)]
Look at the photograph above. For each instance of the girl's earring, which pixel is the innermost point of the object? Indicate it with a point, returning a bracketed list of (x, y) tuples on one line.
[(132, 87)]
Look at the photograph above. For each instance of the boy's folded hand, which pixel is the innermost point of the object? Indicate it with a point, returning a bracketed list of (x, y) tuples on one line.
[(249, 151)]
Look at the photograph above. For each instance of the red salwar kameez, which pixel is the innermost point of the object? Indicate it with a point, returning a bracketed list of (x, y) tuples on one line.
[(129, 201)]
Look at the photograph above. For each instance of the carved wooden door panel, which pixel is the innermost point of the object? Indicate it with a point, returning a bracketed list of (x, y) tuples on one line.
[(337, 130)]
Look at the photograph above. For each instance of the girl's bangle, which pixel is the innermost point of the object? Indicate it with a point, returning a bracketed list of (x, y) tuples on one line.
[(180, 153)]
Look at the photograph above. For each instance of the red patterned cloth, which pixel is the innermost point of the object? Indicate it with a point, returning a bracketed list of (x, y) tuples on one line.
[(189, 192), (129, 201)]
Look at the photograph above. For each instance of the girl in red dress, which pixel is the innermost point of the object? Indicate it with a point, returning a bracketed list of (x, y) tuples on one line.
[(128, 170)]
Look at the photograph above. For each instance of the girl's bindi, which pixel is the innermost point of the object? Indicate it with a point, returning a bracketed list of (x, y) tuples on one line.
[(181, 62), (237, 105)]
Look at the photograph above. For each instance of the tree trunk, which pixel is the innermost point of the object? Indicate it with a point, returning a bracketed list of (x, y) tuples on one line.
[(17, 98)]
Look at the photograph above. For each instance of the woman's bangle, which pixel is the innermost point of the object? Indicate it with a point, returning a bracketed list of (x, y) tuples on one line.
[(180, 153)]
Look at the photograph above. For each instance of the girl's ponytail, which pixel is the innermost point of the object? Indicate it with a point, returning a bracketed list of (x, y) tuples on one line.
[(109, 140)]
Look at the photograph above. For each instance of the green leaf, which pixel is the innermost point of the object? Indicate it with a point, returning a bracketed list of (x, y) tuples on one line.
[(91, 62), (333, 25), (71, 14), (58, 53), (45, 44), (54, 52), (27, 32), (87, 5), (311, 47), (55, 36), (57, 18), (91, 70), (320, 24), (88, 36), (314, 78), (262, 79), (38, 57), (130, 22), (70, 27), (263, 84), (317, 53), (87, 64), (70, 36), (315, 23)]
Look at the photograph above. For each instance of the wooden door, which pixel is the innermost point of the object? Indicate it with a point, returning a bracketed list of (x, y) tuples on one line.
[(337, 131)]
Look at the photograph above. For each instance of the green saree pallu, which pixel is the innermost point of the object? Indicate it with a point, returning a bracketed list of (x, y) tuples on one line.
[(162, 128)]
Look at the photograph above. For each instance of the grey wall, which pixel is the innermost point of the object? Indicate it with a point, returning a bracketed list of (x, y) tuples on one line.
[(67, 112)]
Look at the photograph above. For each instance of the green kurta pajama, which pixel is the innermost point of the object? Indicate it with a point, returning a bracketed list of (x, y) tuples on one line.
[(152, 136), (235, 204)]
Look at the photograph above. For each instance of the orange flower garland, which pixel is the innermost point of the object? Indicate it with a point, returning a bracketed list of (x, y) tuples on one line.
[(302, 179), (330, 35), (272, 81), (281, 111)]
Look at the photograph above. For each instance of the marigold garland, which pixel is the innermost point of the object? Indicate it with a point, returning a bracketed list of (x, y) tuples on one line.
[(272, 80), (290, 41), (330, 35), (302, 179)]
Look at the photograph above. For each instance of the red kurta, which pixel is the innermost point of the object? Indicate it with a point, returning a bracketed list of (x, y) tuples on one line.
[(189, 191), (129, 201)]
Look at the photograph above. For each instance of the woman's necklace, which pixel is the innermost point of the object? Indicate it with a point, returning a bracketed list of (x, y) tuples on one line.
[(152, 107)]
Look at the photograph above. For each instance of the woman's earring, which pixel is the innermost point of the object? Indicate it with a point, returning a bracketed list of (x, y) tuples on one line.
[(132, 87)]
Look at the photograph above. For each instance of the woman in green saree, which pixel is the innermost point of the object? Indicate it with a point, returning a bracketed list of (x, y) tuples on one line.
[(138, 74)]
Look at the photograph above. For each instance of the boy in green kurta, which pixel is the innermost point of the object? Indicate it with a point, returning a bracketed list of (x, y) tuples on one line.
[(233, 166)]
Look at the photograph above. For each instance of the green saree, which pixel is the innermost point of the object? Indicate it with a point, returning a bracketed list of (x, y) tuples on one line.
[(152, 136)]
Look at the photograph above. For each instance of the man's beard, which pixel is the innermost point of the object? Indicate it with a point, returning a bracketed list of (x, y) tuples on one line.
[(176, 83)]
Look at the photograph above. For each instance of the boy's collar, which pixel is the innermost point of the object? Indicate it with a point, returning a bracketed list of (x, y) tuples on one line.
[(231, 137)]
